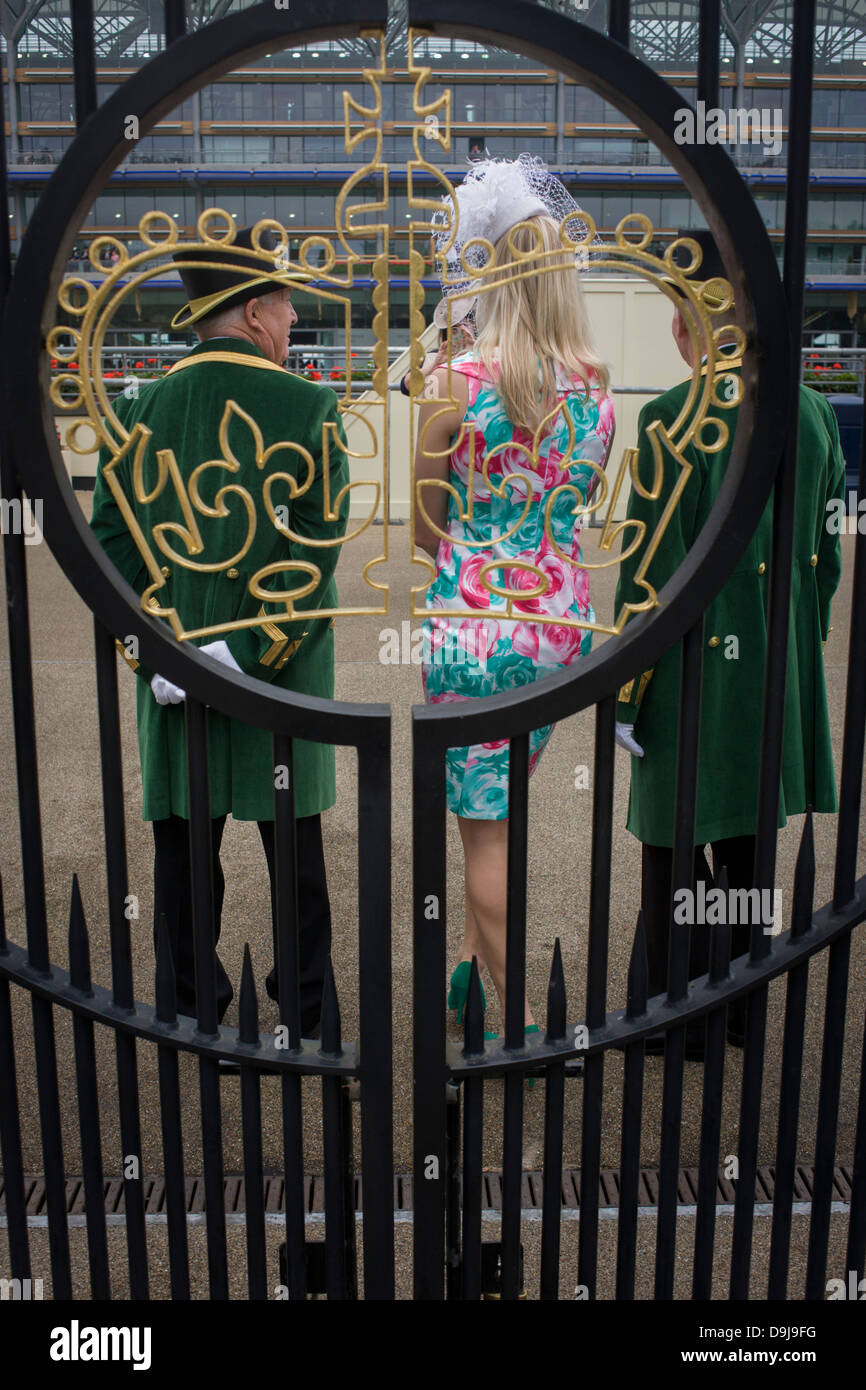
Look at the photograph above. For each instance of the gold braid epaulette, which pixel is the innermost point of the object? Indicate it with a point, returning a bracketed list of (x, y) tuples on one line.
[(626, 694)]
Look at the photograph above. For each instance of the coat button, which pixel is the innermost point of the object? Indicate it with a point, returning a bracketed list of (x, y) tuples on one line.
[(233, 574), (813, 561), (761, 567), (165, 571), (714, 641)]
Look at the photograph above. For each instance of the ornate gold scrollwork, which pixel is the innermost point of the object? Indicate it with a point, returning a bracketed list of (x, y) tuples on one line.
[(712, 388), (209, 491)]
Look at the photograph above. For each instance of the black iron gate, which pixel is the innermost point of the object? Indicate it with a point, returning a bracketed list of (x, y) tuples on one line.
[(30, 460), (31, 444), (605, 67)]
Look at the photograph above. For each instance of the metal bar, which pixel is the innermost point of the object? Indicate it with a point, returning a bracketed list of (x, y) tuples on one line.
[(175, 20), (452, 1196), (618, 21), (828, 1116), (334, 1138), (688, 744), (602, 847), (286, 873), (349, 1195), (632, 1110), (473, 1128), (30, 827), (212, 1162), (84, 59), (515, 913), (554, 1120), (515, 997), (512, 1174), (784, 500), (52, 1148), (709, 34), (288, 972), (856, 1253), (796, 215), (848, 828), (792, 1071), (10, 1131), (88, 1105), (374, 964), (251, 1122), (114, 823), (747, 1142), (711, 1112), (430, 1073), (596, 988), (201, 864), (171, 1120), (114, 819)]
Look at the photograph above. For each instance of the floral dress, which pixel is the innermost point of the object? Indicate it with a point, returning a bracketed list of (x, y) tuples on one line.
[(469, 658)]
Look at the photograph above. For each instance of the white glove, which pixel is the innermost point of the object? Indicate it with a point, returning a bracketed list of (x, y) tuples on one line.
[(220, 652), (167, 694), (625, 738)]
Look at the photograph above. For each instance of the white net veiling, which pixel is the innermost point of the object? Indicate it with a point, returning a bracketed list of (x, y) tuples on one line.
[(494, 196)]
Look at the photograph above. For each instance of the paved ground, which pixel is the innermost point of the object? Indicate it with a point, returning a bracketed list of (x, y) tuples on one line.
[(558, 890)]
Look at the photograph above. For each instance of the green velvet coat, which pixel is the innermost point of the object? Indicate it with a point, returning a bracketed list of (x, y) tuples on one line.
[(184, 412), (735, 637)]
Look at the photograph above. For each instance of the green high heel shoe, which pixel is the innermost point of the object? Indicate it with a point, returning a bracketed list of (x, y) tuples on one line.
[(458, 989)]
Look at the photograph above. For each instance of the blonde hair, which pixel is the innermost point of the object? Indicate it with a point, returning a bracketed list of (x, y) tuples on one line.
[(526, 325)]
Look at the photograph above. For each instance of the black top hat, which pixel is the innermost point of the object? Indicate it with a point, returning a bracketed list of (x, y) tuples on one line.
[(255, 273), (711, 268)]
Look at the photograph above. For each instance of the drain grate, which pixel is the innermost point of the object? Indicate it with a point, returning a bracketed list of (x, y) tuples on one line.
[(531, 1191)]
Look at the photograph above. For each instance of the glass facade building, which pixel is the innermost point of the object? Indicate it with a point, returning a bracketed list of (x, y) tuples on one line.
[(267, 141)]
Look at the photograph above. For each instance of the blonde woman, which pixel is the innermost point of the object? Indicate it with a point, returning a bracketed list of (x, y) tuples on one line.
[(513, 425)]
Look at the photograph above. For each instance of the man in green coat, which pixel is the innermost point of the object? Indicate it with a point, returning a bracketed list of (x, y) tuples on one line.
[(229, 489), (735, 638)]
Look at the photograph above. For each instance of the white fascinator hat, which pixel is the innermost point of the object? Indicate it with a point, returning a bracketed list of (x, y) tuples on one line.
[(495, 196)]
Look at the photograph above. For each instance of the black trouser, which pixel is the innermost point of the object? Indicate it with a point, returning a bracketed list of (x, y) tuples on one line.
[(737, 855), (173, 897)]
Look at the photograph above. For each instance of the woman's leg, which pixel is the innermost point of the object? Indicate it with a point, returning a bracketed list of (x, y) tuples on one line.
[(485, 845), (472, 945)]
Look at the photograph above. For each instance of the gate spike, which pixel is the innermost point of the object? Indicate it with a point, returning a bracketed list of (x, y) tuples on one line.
[(2, 920), (804, 881), (248, 1003), (638, 973), (473, 1019), (332, 1043), (79, 948), (720, 938), (166, 981), (556, 997)]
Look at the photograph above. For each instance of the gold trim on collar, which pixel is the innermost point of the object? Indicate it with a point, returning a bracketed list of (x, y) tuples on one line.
[(238, 357)]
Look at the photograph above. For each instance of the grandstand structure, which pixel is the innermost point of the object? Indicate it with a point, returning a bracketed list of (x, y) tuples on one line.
[(268, 140)]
